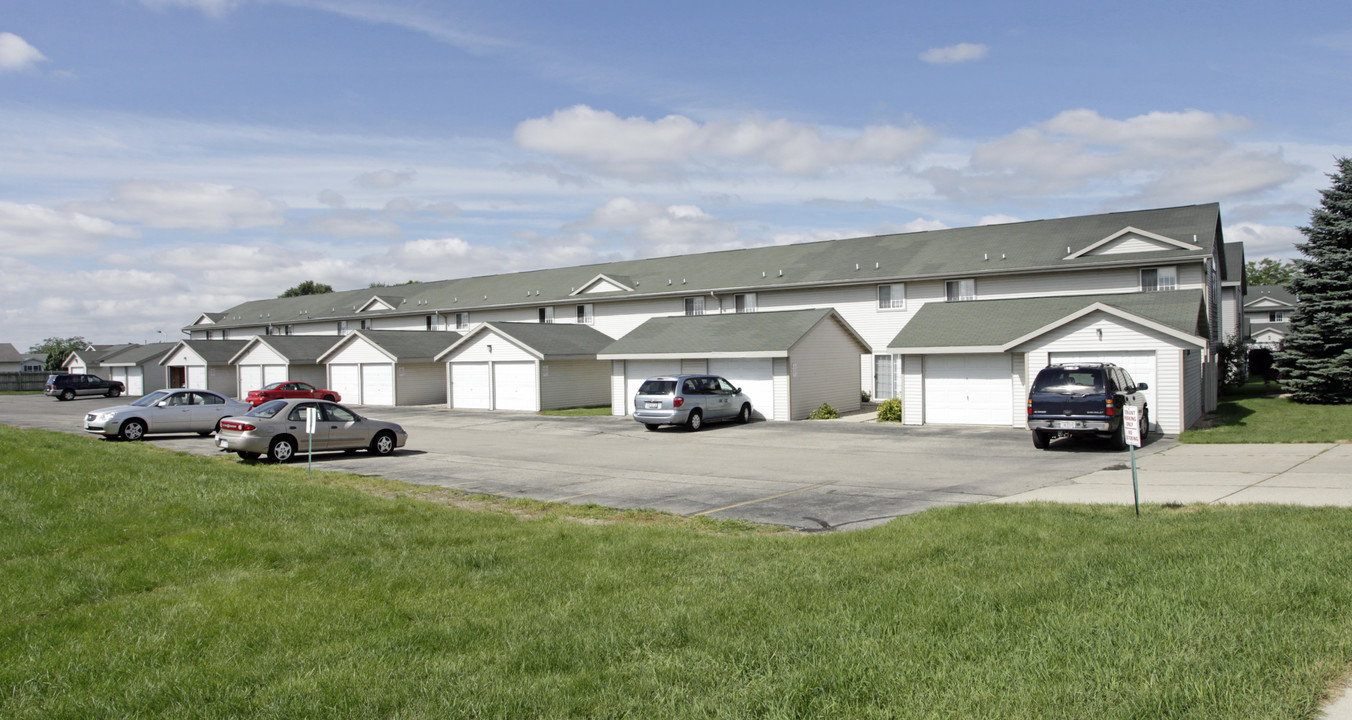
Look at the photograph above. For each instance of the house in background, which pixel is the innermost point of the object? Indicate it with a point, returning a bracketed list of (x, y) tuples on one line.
[(13, 361), (1234, 285), (267, 359), (202, 365), (86, 360), (389, 367), (137, 367), (1130, 278), (1267, 315), (527, 366)]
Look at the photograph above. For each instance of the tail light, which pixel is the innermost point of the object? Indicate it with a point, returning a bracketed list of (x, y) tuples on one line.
[(1030, 406), (1109, 410), (677, 401), (238, 426)]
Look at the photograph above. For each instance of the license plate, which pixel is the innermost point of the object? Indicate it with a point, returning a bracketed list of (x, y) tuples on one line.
[(222, 444), (652, 405), (1067, 424)]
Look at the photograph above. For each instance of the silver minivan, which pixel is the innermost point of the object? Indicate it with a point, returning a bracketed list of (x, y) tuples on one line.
[(689, 400)]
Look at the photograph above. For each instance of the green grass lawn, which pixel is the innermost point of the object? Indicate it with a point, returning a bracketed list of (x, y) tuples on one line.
[(136, 582), (588, 411), (1253, 413)]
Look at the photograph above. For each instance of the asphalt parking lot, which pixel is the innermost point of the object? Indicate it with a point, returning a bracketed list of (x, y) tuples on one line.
[(817, 475)]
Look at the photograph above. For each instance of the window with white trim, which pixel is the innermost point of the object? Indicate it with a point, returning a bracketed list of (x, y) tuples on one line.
[(268, 330), (1159, 279), (365, 324), (892, 297), (461, 321), (342, 327), (744, 303), (431, 321), (959, 290), (286, 329), (694, 305), (584, 314), (1276, 316), (547, 315), (209, 335)]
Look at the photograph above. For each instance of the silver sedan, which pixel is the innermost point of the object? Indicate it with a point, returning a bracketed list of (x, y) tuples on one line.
[(164, 411), (277, 428)]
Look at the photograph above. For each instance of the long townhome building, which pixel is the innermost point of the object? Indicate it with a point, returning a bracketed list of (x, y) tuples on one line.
[(953, 322)]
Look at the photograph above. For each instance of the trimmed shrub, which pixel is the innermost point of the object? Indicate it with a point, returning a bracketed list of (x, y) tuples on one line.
[(890, 410), (825, 412)]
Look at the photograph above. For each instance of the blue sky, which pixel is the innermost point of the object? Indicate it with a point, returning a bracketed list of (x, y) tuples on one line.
[(162, 158)]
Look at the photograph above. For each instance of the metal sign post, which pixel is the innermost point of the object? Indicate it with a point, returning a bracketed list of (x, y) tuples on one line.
[(311, 415), (1131, 426)]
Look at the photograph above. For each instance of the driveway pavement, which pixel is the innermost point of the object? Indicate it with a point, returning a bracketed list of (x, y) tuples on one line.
[(823, 475)]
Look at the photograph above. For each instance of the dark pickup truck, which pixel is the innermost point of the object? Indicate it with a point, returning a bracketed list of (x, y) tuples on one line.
[(1083, 399), (66, 387)]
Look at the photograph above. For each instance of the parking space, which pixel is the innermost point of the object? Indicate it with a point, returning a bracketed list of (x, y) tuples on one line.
[(807, 475)]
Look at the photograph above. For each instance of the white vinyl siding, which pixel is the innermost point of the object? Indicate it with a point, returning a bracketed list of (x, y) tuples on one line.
[(912, 389), (1191, 361), (358, 350), (618, 402), (782, 383), (822, 369), (694, 366)]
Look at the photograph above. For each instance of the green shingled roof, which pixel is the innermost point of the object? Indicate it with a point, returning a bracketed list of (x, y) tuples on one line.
[(296, 349), (555, 340), (215, 352), (767, 334), (139, 354), (969, 252), (405, 345), (995, 323)]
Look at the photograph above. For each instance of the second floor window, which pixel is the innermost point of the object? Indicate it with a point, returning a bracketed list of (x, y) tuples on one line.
[(546, 315), (269, 330), (1159, 279), (342, 327), (958, 290), (694, 305), (1277, 316), (431, 322), (745, 303), (892, 297), (584, 314), (365, 324), (461, 321), (209, 335)]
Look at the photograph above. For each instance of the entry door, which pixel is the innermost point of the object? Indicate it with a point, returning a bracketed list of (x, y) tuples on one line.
[(883, 376)]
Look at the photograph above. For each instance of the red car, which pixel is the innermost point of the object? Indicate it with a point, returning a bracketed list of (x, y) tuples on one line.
[(288, 390)]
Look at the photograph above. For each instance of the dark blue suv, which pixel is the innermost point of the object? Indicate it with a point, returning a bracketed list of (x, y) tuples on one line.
[(1084, 399)]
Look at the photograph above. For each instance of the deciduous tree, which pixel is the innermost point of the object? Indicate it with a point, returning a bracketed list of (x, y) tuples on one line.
[(57, 349), (309, 287)]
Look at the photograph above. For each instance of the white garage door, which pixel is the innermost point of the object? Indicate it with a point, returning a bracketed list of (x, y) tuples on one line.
[(1139, 364), (755, 376), (119, 374), (346, 379), (469, 386), (250, 378), (377, 384), (636, 371), (197, 376), (969, 390), (274, 373), (136, 384), (514, 386)]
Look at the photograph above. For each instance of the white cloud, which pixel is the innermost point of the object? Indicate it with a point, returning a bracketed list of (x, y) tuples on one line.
[(348, 224), (187, 206), (210, 8), (27, 229), (332, 199), (640, 149), (381, 179), (999, 219), (1274, 241), (962, 52), (16, 54), (407, 208)]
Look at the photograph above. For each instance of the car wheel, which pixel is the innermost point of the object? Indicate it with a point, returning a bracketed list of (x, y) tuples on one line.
[(134, 429), (205, 433), (1145, 423), (330, 398), (695, 421), (1041, 440), (744, 415), (67, 394), (114, 392), (650, 426), (1119, 440), (383, 444), (282, 449), (246, 455)]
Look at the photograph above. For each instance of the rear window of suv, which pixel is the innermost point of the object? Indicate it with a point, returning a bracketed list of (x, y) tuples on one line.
[(1069, 380), (657, 387)]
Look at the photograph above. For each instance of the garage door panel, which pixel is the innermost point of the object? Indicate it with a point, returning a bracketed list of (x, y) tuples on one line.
[(346, 380), (250, 378), (275, 373), (755, 376), (1140, 364), (197, 376), (969, 390), (636, 371), (514, 386), (469, 386), (377, 384)]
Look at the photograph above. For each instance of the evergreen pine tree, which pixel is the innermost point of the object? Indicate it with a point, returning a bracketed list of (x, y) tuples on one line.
[(1316, 356)]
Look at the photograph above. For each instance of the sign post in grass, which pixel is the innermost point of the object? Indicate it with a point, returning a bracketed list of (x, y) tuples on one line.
[(1131, 424), (310, 416)]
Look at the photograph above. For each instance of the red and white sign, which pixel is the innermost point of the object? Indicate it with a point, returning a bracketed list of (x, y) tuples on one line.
[(1131, 422)]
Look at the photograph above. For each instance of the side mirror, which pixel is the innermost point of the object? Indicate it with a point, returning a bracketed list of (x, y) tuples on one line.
[(1142, 386), (737, 391)]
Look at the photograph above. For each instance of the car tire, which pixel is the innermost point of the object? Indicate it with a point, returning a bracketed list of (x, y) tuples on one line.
[(744, 415), (650, 426), (382, 444), (695, 421), (67, 394), (207, 433), (246, 455), (1119, 439), (1041, 440), (114, 392), (282, 449), (132, 430), (1145, 423)]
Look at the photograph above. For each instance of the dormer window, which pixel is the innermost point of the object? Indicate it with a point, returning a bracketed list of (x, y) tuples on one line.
[(546, 315), (960, 290), (1159, 279)]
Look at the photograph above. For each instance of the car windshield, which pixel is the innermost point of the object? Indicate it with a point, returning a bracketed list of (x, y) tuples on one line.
[(151, 399), (274, 386), (267, 409), (1069, 381), (657, 387)]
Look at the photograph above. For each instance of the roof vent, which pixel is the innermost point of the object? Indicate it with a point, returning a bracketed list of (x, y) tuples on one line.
[(682, 281), (668, 281), (1002, 256), (762, 273), (781, 272), (877, 265), (1067, 249), (985, 257), (856, 266)]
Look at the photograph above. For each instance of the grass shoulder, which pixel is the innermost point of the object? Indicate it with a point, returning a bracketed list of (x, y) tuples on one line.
[(1257, 412), (588, 411)]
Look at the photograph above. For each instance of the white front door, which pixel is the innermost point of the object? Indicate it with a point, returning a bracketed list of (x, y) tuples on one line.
[(514, 386), (346, 380), (250, 378), (377, 384), (969, 390), (755, 376), (470, 389)]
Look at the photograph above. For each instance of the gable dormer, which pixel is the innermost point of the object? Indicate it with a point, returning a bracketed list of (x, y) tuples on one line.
[(605, 284), (380, 303), (207, 319), (1132, 240)]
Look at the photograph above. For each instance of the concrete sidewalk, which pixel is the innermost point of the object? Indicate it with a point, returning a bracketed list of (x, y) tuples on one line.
[(1232, 474)]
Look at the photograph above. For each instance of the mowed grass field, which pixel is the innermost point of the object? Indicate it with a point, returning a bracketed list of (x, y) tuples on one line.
[(1256, 413), (137, 582)]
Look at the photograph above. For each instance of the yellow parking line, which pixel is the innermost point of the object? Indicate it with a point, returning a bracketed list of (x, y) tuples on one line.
[(769, 497)]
